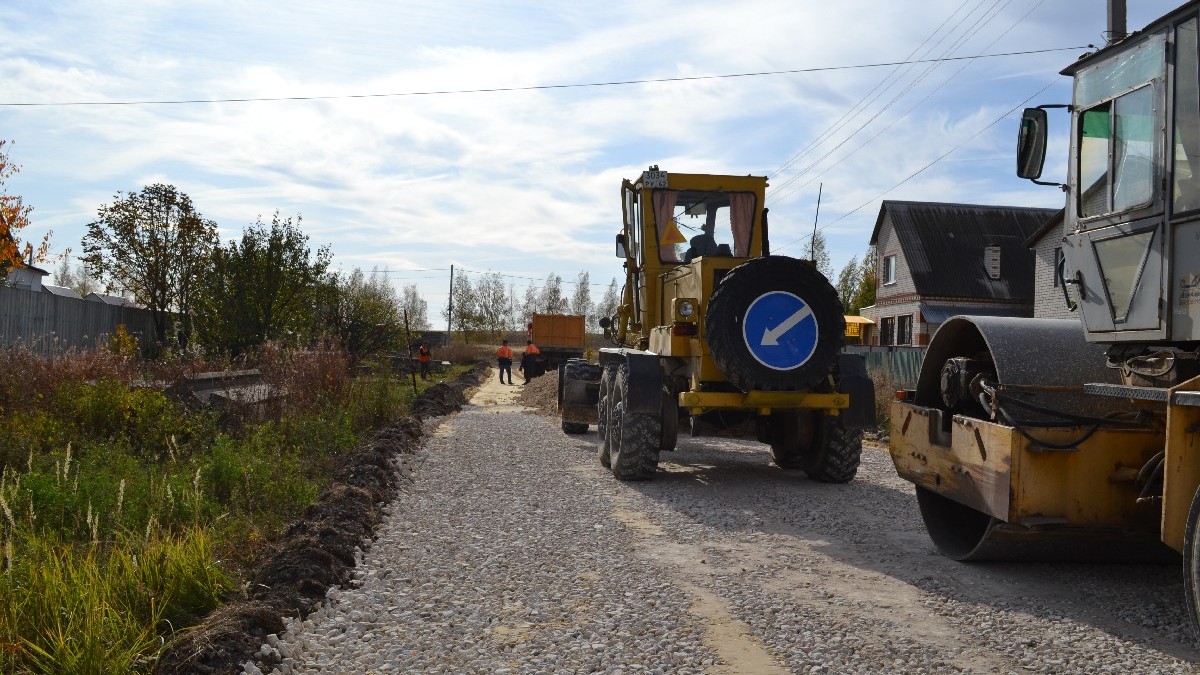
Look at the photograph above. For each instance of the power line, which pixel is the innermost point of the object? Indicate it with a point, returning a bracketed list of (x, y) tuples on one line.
[(971, 31), (924, 168), (870, 96), (542, 87), (781, 195)]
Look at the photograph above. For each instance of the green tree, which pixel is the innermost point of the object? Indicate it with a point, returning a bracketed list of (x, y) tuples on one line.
[(847, 285), (492, 299), (581, 299), (608, 302), (868, 280), (261, 288), (154, 244), (819, 255), (366, 317), (551, 299), (415, 306), (462, 309)]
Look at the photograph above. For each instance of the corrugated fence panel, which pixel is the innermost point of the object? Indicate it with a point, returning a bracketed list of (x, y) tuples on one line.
[(904, 363), (50, 324)]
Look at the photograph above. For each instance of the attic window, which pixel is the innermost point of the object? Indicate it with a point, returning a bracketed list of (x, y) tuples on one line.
[(889, 269), (991, 260)]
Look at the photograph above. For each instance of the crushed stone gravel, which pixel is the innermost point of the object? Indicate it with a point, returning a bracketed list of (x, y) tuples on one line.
[(513, 551)]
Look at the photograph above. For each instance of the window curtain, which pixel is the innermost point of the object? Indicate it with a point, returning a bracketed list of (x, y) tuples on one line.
[(664, 209), (741, 217)]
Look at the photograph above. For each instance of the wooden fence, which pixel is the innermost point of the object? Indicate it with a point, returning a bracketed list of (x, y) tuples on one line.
[(904, 363), (51, 324)]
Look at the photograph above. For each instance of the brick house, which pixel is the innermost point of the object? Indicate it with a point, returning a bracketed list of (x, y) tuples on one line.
[(937, 260), (1046, 244)]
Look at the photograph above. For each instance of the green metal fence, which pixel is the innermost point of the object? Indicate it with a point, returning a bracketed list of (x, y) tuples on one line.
[(903, 363)]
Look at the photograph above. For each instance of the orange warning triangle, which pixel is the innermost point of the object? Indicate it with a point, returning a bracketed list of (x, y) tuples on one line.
[(672, 235)]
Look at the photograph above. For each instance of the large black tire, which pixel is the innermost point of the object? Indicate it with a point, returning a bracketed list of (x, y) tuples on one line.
[(1191, 561), (633, 437), (608, 380), (725, 318), (791, 436), (835, 455), (573, 370)]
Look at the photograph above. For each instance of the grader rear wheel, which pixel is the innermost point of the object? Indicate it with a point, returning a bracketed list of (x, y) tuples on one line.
[(835, 455)]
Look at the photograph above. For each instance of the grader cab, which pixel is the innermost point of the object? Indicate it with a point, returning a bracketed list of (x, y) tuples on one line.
[(712, 330), (1080, 438)]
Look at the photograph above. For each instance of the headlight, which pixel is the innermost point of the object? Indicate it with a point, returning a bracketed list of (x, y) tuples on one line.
[(686, 308)]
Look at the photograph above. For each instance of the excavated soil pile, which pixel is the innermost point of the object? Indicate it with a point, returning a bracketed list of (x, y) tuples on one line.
[(541, 394), (317, 551), (444, 398)]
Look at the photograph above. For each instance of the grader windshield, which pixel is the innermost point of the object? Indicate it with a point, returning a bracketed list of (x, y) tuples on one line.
[(692, 223)]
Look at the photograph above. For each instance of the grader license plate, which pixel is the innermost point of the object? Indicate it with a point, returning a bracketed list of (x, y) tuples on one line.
[(654, 179)]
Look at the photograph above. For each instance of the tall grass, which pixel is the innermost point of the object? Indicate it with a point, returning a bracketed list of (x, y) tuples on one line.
[(125, 516)]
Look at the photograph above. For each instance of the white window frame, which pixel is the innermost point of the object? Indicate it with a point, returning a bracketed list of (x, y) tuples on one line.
[(889, 270)]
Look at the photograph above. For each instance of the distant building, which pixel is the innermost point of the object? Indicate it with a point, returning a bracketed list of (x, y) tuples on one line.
[(1049, 301), (115, 300), (937, 260), (61, 291), (27, 277)]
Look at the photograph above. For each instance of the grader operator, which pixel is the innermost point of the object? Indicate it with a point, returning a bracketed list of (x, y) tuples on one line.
[(711, 327), (1080, 438)]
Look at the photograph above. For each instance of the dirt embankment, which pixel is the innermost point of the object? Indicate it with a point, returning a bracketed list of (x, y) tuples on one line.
[(317, 551), (541, 394)]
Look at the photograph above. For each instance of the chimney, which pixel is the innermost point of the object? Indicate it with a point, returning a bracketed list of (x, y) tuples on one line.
[(1117, 29)]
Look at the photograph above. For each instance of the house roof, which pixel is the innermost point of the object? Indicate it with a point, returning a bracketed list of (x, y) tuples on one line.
[(111, 299), (62, 291), (944, 246), (1056, 219)]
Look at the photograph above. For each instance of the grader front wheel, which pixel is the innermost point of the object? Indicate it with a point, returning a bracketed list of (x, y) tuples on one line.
[(633, 438)]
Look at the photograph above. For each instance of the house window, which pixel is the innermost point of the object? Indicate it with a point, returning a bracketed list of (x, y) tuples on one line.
[(889, 270), (904, 329), (1058, 266), (887, 331)]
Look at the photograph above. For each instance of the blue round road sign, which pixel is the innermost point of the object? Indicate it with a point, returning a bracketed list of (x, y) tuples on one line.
[(780, 330)]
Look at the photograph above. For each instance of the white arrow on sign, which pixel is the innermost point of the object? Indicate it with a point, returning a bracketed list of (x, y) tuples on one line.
[(771, 337)]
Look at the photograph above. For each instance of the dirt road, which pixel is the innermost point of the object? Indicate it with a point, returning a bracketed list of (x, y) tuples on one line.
[(515, 551)]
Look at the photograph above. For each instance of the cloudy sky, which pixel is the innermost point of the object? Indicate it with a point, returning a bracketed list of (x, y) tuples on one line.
[(380, 139)]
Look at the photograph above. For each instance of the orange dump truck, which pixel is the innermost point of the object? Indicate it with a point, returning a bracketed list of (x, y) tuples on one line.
[(559, 337)]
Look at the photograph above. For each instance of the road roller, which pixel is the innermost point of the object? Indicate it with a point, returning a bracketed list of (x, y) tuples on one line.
[(1077, 438)]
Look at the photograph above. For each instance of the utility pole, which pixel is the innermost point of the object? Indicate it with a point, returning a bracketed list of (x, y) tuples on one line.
[(450, 306), (812, 248)]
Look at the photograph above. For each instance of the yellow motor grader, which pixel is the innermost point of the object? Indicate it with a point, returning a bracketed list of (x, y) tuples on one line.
[(1080, 438), (713, 330)]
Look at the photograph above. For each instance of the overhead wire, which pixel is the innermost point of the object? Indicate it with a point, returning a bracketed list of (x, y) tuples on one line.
[(867, 98), (979, 24), (922, 169), (542, 87)]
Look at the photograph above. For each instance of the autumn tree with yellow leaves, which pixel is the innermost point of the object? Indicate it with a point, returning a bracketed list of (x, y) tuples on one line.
[(14, 217)]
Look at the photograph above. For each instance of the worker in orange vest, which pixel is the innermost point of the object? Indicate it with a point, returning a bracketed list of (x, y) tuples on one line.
[(423, 355), (504, 357), (529, 360)]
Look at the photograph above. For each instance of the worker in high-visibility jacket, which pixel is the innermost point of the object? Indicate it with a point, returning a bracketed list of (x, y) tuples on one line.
[(529, 360), (423, 355), (504, 357)]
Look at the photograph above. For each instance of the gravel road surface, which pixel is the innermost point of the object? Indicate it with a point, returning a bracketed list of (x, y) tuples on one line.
[(513, 551)]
